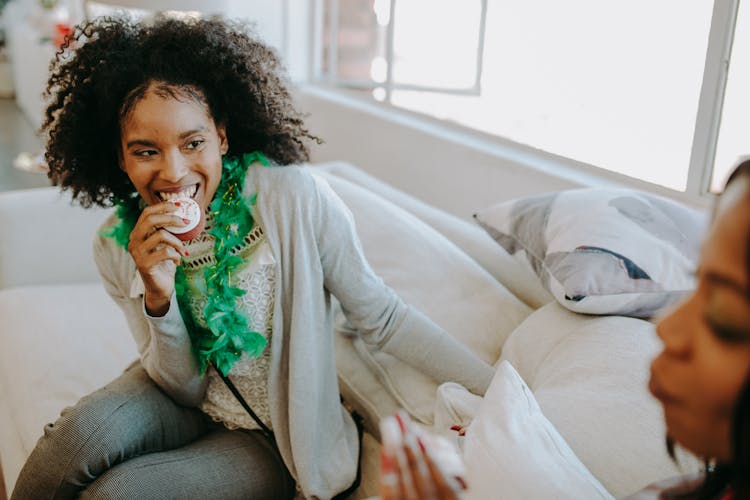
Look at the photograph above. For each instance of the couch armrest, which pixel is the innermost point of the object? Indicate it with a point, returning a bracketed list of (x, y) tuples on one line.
[(45, 239)]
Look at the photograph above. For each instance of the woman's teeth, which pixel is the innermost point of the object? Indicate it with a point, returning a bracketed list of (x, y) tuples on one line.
[(173, 195)]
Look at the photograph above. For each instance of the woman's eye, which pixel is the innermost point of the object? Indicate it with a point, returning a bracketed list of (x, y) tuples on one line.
[(194, 144), (727, 333), (732, 335), (145, 153)]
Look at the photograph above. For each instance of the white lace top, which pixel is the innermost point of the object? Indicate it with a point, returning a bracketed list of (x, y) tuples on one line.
[(249, 375)]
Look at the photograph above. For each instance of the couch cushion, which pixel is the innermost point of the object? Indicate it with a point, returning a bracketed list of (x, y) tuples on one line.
[(45, 218), (589, 375), (432, 274), (66, 341)]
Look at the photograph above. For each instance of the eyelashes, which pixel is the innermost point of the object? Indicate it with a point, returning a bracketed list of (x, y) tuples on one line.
[(727, 333), (195, 144)]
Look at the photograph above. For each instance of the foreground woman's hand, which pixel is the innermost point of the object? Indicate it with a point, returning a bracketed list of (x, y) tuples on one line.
[(157, 253), (415, 465)]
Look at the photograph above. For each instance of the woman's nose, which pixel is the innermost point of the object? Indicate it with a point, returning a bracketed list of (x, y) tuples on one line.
[(676, 329), (174, 167)]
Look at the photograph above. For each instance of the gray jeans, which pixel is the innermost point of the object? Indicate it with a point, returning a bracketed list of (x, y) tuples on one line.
[(130, 440)]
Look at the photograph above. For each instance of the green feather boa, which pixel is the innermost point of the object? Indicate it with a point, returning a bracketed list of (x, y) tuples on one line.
[(228, 334)]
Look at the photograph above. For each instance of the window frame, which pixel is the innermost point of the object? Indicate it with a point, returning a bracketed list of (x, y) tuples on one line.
[(708, 116), (389, 85), (711, 101)]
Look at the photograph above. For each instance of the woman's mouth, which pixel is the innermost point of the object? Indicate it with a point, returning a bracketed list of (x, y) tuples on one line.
[(659, 393), (181, 192)]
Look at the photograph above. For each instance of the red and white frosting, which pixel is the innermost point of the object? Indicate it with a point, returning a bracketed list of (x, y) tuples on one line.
[(188, 209)]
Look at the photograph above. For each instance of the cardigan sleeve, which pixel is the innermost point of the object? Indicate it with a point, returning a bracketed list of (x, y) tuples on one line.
[(163, 342), (377, 313)]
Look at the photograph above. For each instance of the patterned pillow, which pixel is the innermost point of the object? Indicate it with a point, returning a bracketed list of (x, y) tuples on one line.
[(603, 251)]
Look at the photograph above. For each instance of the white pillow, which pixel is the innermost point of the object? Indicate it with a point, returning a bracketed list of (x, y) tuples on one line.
[(589, 375), (433, 275), (512, 451), (603, 251)]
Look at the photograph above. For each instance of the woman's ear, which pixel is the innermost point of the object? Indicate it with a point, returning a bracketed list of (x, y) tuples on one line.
[(120, 159), (221, 130)]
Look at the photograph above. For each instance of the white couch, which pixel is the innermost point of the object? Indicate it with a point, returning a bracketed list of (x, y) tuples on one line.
[(62, 337)]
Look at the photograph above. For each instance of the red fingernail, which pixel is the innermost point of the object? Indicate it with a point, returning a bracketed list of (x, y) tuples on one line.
[(455, 427), (421, 445), (462, 482), (177, 203), (387, 464), (400, 421), (187, 253)]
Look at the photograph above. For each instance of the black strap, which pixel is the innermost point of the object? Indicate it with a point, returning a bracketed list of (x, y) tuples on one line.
[(269, 433), (358, 479)]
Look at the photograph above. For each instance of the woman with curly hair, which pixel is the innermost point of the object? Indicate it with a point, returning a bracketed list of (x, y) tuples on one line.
[(235, 394)]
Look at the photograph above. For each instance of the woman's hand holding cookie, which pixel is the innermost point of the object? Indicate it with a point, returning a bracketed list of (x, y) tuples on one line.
[(157, 253)]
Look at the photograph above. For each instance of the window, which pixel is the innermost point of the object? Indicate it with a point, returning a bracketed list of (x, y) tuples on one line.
[(735, 119), (365, 35), (633, 87)]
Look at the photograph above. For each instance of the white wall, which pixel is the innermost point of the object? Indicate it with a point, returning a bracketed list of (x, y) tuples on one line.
[(454, 169), (283, 24), (267, 18)]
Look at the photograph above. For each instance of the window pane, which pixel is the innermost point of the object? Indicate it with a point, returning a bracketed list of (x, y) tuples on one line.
[(614, 84), (735, 120), (435, 42), (360, 49)]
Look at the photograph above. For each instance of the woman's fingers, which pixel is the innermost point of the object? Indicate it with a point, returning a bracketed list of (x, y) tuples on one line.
[(153, 218), (157, 255), (157, 252), (142, 244), (391, 485), (424, 484), (446, 488), (163, 238), (408, 470), (395, 479)]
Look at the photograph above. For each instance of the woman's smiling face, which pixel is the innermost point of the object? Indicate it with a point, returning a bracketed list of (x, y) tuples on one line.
[(170, 146), (706, 357)]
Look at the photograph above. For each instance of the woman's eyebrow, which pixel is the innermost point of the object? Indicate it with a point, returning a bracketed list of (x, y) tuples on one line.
[(140, 142), (145, 142), (193, 131)]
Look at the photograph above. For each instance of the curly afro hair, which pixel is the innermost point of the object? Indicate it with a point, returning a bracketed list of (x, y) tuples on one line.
[(106, 67)]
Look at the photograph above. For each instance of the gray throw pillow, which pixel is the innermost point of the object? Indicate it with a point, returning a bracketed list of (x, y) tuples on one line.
[(603, 251)]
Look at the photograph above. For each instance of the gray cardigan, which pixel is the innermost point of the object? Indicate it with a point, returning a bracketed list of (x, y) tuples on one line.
[(313, 238)]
